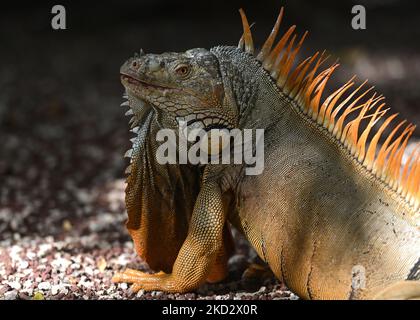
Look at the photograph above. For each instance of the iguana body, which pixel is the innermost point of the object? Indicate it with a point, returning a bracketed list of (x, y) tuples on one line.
[(332, 213)]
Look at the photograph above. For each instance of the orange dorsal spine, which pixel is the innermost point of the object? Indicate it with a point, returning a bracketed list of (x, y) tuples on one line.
[(305, 85)]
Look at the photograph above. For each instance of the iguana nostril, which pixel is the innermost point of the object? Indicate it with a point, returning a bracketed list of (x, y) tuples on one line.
[(154, 65), (134, 64)]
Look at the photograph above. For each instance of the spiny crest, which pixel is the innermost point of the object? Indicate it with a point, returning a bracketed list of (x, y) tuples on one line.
[(348, 115), (134, 127)]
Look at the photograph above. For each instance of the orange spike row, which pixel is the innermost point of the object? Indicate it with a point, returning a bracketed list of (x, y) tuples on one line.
[(336, 126), (378, 164), (335, 110), (315, 102), (392, 150), (415, 176), (305, 85), (350, 134), (394, 165), (361, 143), (406, 169), (413, 182), (314, 88), (241, 44), (329, 103), (370, 154), (307, 81), (269, 61), (296, 79), (280, 61), (409, 186), (312, 85), (249, 44), (291, 80), (285, 68), (397, 150), (314, 107), (342, 127), (266, 48)]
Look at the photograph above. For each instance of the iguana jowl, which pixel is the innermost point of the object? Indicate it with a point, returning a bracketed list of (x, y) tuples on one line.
[(333, 213)]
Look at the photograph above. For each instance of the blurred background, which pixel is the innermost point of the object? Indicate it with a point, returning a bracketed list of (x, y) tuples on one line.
[(63, 134)]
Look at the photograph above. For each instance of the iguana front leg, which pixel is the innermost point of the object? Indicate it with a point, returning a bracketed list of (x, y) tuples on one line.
[(199, 251)]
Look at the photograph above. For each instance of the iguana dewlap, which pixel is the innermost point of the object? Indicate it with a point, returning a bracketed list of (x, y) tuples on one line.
[(334, 213)]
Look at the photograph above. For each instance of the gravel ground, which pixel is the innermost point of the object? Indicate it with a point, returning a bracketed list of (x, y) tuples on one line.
[(63, 137), (79, 262)]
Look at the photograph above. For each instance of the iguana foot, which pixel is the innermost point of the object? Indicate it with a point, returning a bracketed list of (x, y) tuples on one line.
[(201, 250), (145, 281)]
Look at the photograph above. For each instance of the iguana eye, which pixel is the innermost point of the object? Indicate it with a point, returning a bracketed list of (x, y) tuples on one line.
[(183, 70)]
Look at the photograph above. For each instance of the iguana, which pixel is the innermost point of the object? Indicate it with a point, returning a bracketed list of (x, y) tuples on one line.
[(334, 214)]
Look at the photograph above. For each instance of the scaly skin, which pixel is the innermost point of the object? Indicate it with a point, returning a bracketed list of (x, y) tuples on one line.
[(160, 198), (323, 222), (311, 234)]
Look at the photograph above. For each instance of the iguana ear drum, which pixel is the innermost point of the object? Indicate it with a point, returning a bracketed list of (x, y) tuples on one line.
[(349, 116)]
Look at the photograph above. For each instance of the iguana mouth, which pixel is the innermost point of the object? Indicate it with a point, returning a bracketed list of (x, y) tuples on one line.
[(142, 90), (135, 81)]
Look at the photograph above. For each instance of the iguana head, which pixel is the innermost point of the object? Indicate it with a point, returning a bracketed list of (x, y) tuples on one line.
[(184, 87)]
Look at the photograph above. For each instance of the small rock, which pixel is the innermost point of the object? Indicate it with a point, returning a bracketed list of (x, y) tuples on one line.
[(101, 264), (10, 295), (55, 289), (75, 266), (31, 255), (14, 285), (44, 286), (67, 226), (4, 289), (262, 289), (24, 296), (38, 296), (89, 271)]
